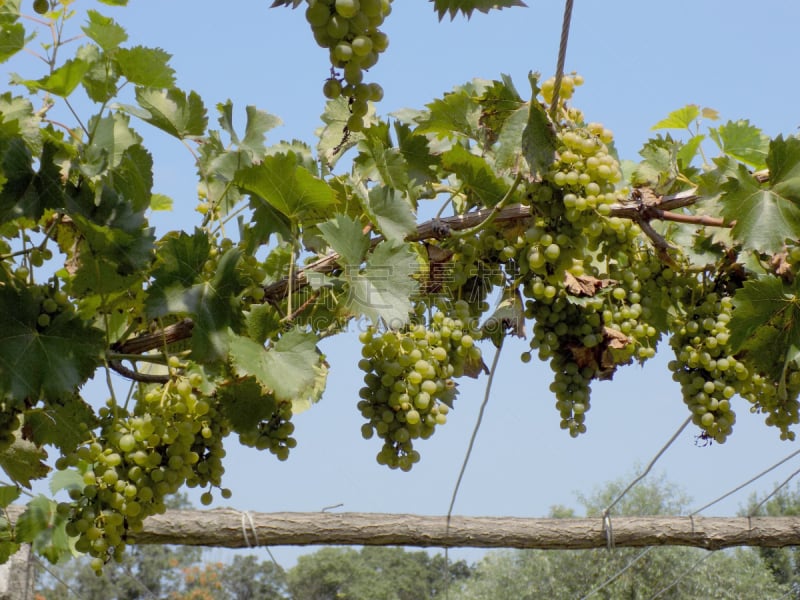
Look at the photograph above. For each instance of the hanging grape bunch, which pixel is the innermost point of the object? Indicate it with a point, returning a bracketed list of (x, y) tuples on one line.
[(349, 30)]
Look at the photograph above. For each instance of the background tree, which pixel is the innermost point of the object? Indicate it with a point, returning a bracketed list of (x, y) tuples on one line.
[(783, 562), (373, 573), (573, 573)]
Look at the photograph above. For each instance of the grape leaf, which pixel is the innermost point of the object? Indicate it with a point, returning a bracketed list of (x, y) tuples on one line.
[(288, 188), (160, 202), (384, 288), (62, 81), (467, 7), (475, 174), (766, 323), (104, 31), (538, 137), (147, 67), (65, 480), (173, 111), (392, 212), (419, 159), (23, 461), (179, 288), (8, 493), (313, 393), (456, 113), (285, 369), (43, 361), (258, 123), (112, 137), (767, 214), (244, 403), (262, 322), (42, 526), (12, 40), (742, 141), (681, 118), (377, 160), (60, 422), (345, 236), (25, 193), (508, 146), (333, 142)]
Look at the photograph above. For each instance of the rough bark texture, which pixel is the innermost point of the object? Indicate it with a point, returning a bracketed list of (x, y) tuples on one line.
[(230, 528), (234, 529)]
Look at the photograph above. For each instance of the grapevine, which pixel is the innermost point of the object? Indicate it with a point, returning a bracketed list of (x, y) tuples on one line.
[(534, 226)]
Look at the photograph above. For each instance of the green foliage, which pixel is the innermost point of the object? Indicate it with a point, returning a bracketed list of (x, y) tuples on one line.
[(222, 333)]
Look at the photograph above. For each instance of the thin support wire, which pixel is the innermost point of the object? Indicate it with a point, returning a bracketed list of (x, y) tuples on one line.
[(771, 494), (486, 395), (562, 56), (683, 575), (55, 576), (619, 573), (607, 526), (746, 483), (650, 465)]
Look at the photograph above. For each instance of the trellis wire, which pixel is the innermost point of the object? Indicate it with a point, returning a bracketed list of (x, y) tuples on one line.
[(472, 438), (683, 575), (562, 56), (745, 484)]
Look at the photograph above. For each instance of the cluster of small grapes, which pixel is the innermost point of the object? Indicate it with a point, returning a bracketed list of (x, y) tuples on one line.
[(173, 438), (349, 29), (274, 434), (704, 367), (566, 334), (409, 381), (780, 403), (474, 270)]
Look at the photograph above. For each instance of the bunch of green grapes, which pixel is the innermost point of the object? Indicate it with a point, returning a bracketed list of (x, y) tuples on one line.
[(173, 438), (273, 434), (474, 270), (9, 422), (409, 381), (779, 402), (349, 29), (708, 373), (560, 334)]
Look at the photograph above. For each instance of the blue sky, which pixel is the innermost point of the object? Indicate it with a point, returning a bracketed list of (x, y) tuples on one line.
[(640, 61)]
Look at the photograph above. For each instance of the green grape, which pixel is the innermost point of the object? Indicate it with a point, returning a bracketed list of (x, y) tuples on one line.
[(409, 380), (349, 29)]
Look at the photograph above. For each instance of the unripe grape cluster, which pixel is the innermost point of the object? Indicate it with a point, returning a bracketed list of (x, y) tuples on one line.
[(349, 29), (409, 382), (273, 434), (704, 367), (173, 438)]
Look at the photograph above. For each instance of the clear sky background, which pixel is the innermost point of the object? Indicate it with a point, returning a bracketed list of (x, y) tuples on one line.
[(640, 61)]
